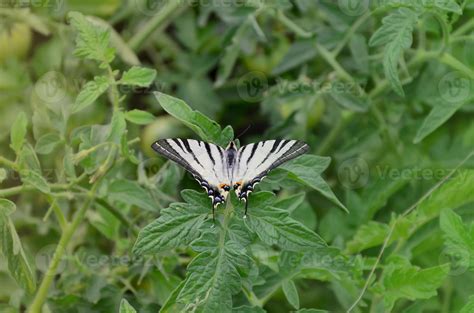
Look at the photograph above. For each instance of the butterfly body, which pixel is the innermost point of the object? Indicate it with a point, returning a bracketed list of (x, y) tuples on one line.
[(219, 170)]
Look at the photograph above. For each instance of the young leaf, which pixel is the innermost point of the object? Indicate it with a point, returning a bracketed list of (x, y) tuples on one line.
[(92, 41), (91, 91), (3, 174), (367, 236), (138, 76), (206, 128), (18, 132), (12, 248), (34, 179), (291, 293), (437, 117), (411, 282), (125, 307), (396, 35), (47, 143), (139, 117)]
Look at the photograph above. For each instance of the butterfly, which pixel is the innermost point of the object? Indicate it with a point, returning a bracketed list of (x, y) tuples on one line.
[(219, 170)]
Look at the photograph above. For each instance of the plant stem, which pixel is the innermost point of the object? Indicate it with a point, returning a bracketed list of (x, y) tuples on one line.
[(41, 294), (300, 32), (159, 19), (334, 133), (361, 20), (7, 162)]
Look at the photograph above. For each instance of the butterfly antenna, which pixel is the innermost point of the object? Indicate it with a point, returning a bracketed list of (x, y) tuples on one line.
[(243, 132)]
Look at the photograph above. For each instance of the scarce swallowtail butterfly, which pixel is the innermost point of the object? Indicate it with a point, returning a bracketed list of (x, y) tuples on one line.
[(219, 170)]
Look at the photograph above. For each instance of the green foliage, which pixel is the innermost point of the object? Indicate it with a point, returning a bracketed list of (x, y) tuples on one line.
[(376, 217)]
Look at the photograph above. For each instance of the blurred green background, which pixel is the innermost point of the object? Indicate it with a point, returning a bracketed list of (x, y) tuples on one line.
[(383, 87)]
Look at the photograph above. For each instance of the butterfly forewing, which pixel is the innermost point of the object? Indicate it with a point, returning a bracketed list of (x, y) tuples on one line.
[(205, 161), (257, 159)]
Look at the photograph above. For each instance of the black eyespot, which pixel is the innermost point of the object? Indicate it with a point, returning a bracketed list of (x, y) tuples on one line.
[(226, 188), (236, 186)]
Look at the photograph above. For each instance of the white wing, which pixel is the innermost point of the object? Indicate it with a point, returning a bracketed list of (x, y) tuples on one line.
[(255, 160), (205, 161)]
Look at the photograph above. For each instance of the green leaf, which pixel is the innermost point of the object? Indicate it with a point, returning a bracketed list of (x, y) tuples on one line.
[(118, 127), (299, 53), (7, 207), (411, 282), (92, 41), (3, 174), (274, 226), (457, 191), (437, 117), (206, 128), (248, 309), (139, 117), (231, 53), (125, 307), (459, 240), (211, 281), (444, 5), (367, 236), (138, 76), (18, 132), (34, 179), (307, 169), (291, 293), (12, 248), (131, 193), (396, 35), (47, 143), (91, 91), (469, 306), (177, 226)]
